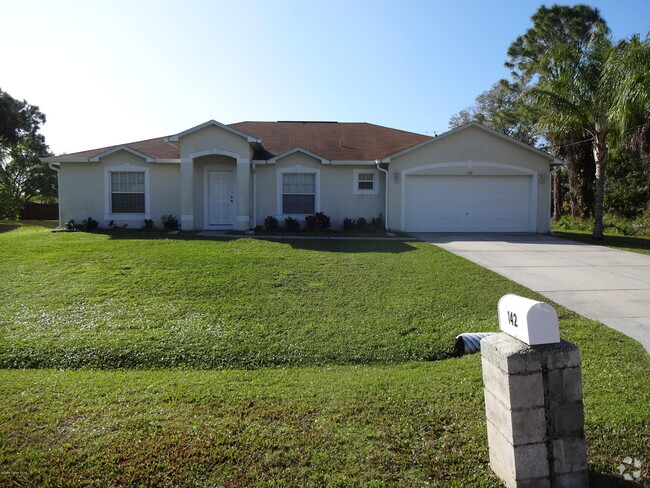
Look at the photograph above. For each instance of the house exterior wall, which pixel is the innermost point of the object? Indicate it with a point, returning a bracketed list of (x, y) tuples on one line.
[(83, 190), (179, 188), (336, 197), (468, 150)]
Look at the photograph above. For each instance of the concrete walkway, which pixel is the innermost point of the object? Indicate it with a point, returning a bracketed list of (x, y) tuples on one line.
[(607, 285)]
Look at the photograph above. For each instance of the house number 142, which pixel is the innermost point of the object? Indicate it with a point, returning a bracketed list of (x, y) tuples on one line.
[(512, 319)]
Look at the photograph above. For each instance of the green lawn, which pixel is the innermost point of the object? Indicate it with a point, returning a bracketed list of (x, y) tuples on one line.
[(334, 336), (638, 244), (150, 300), (620, 233)]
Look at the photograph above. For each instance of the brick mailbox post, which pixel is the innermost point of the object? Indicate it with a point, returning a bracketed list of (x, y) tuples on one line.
[(533, 399)]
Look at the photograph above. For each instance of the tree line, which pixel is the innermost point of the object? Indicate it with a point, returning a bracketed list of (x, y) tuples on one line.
[(585, 98)]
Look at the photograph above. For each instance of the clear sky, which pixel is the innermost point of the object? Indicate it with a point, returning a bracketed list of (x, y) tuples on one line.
[(118, 71)]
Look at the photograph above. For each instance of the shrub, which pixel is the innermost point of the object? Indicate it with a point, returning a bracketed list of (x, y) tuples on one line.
[(70, 225), (271, 223), (291, 224), (89, 224), (148, 224), (362, 224), (377, 223), (349, 224), (113, 226), (318, 221), (170, 222)]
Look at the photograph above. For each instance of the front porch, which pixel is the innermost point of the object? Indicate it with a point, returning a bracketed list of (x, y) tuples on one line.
[(215, 191)]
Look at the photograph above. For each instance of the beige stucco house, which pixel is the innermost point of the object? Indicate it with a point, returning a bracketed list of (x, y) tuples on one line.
[(216, 176)]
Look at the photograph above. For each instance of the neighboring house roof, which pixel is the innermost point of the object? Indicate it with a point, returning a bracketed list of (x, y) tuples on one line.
[(339, 141)]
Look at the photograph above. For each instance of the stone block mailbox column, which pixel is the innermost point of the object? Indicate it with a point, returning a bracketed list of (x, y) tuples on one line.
[(533, 400)]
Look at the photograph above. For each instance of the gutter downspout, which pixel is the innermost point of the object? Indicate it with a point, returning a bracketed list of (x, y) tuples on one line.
[(385, 194), (58, 188), (253, 224)]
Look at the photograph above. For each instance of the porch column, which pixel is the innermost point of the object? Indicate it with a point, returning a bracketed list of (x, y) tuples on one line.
[(187, 193), (243, 194)]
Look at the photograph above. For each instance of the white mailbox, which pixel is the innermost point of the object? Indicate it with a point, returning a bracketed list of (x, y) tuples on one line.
[(528, 320)]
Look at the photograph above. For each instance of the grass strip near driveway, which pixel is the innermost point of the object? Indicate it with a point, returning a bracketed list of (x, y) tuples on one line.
[(151, 300), (639, 244), (410, 425)]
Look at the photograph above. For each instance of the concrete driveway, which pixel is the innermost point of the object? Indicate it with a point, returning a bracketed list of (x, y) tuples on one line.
[(607, 285)]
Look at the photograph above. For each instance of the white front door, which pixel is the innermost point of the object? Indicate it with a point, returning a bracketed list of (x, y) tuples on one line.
[(221, 198)]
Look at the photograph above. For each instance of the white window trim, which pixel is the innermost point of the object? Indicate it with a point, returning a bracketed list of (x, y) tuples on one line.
[(108, 215), (296, 169), (375, 186)]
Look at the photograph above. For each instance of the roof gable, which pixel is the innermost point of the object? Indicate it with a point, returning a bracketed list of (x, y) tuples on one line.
[(489, 130), (274, 159), (115, 149), (210, 123)]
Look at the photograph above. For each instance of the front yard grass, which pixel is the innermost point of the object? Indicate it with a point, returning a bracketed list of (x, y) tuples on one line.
[(640, 244), (347, 328), (151, 300)]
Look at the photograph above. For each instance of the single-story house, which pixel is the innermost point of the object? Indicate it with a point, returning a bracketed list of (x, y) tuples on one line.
[(216, 176)]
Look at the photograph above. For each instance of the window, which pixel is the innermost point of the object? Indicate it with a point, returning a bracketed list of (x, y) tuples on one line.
[(298, 193), (127, 192), (365, 182)]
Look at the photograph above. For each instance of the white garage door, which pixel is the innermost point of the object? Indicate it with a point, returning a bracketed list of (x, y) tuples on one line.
[(468, 204)]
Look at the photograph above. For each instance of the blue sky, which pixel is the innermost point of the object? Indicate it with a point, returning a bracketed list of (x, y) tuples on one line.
[(110, 72)]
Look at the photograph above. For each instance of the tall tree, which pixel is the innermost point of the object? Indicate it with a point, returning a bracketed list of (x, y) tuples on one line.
[(528, 55), (22, 175), (600, 92), (531, 61), (17, 119)]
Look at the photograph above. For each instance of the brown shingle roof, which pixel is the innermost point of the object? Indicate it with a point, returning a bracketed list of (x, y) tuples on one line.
[(339, 141), (156, 148)]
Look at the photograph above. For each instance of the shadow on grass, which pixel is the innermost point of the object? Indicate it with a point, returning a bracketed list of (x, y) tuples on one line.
[(316, 244), (639, 243), (601, 480), (8, 227)]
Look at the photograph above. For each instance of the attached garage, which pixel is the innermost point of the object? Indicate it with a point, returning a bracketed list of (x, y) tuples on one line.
[(468, 203), (470, 179)]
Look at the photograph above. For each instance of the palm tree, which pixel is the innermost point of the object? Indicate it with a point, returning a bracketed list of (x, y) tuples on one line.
[(601, 92)]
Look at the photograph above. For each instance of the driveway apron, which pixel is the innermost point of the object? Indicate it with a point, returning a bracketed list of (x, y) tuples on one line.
[(607, 285)]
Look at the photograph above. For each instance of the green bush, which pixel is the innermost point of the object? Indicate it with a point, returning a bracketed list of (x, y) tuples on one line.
[(377, 224), (291, 224), (89, 224), (271, 223), (318, 221), (170, 222), (349, 224)]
